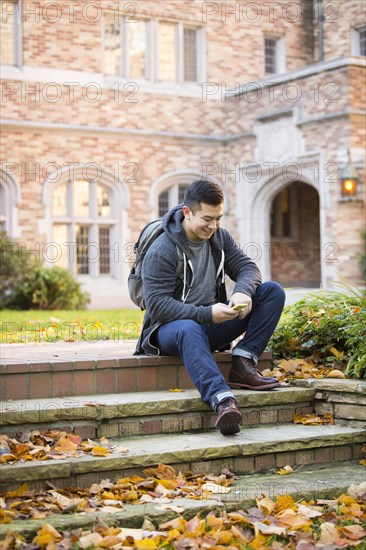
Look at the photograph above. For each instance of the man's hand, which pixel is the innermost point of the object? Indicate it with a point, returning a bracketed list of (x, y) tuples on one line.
[(241, 298), (222, 312)]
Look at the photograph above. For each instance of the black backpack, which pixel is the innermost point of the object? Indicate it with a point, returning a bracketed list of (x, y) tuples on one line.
[(148, 235)]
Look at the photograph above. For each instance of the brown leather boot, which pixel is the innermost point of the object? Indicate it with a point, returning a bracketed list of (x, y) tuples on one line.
[(229, 416), (244, 375)]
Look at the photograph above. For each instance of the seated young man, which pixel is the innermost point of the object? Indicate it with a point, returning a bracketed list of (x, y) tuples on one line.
[(187, 311)]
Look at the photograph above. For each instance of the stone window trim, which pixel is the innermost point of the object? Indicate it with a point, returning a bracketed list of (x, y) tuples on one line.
[(117, 222), (358, 41), (279, 63), (152, 64), (18, 36), (170, 182), (10, 198)]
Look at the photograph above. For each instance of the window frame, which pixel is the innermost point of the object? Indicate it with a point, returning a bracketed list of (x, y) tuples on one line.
[(280, 55), (18, 36), (356, 40), (92, 221), (152, 53)]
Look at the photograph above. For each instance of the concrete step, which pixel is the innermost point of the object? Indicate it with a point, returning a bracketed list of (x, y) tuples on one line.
[(144, 413), (253, 450), (50, 370), (308, 482)]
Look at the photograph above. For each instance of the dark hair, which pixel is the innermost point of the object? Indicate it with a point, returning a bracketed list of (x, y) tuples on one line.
[(203, 191)]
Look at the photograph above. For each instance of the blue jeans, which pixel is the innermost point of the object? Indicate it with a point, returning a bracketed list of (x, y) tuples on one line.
[(194, 342)]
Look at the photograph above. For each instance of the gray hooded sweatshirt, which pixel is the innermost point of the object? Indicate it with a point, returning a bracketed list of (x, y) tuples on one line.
[(168, 277)]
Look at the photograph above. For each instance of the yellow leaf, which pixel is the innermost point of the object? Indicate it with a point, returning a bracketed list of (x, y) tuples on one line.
[(176, 390), (346, 499), (336, 374), (363, 461), (47, 534), (336, 352), (98, 450), (286, 470), (285, 502), (145, 544)]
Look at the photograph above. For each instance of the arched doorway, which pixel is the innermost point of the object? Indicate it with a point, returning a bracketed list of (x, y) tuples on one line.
[(295, 236)]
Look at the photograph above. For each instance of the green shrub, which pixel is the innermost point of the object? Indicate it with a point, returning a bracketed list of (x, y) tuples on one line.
[(25, 284), (52, 288), (329, 328), (15, 267)]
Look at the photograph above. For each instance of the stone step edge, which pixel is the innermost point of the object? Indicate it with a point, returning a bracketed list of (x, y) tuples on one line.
[(110, 406), (232, 447), (333, 481), (42, 365), (333, 385)]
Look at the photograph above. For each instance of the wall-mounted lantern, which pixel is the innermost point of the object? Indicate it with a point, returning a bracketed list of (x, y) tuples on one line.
[(349, 180)]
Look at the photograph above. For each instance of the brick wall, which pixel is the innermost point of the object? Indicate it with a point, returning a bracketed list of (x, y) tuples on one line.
[(234, 54)]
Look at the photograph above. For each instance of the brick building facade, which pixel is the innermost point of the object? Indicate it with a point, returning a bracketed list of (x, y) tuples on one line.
[(110, 109)]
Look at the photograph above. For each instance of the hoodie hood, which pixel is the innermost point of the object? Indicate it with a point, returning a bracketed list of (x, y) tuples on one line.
[(172, 224)]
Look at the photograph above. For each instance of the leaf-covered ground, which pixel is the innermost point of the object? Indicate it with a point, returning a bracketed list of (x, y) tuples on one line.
[(277, 524), (55, 444)]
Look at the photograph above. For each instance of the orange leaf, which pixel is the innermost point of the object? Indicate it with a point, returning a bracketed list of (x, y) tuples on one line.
[(353, 532), (65, 445), (98, 450), (266, 504)]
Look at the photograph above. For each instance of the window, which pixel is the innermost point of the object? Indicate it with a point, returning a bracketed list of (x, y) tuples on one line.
[(83, 220), (158, 51), (9, 200), (274, 58), (169, 198), (359, 41), (10, 32)]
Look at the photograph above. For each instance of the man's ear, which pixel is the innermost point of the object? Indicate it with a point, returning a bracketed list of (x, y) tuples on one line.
[(186, 212)]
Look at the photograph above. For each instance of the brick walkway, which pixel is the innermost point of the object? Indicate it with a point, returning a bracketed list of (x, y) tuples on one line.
[(14, 354)]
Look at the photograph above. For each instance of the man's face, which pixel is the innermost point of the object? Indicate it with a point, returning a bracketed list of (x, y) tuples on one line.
[(203, 224)]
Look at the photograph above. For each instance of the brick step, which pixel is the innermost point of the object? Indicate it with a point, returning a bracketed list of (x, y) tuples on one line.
[(143, 413), (97, 369), (309, 483), (253, 450)]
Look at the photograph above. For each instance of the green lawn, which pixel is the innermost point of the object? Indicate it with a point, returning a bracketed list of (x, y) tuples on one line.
[(69, 326)]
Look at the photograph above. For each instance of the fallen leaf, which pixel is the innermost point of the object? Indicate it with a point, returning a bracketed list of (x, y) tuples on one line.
[(266, 504), (211, 487), (90, 540), (286, 470), (98, 450), (353, 532), (269, 529), (176, 390), (328, 533), (336, 374)]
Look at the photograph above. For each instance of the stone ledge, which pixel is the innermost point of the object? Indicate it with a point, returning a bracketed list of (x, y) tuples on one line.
[(333, 384), (109, 406), (309, 484), (194, 449)]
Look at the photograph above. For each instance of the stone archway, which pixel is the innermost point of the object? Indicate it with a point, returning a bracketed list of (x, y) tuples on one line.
[(295, 236)]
